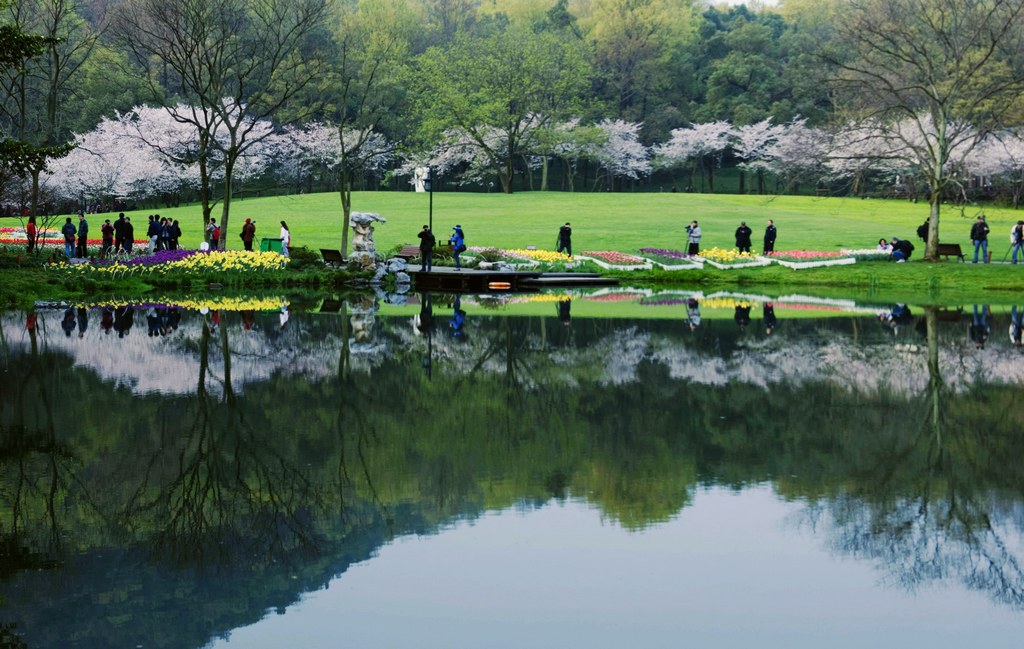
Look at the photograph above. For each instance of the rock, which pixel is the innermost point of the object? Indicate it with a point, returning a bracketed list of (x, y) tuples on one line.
[(397, 265), (362, 259), (403, 279)]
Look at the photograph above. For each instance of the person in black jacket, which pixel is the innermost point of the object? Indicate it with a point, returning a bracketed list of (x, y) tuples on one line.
[(901, 249), (979, 237), (769, 237), (743, 237), (427, 243)]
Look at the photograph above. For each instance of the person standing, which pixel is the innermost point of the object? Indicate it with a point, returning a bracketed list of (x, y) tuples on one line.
[(565, 239), (175, 229), (31, 232), (107, 230), (165, 233), (979, 237), (286, 238), (119, 232), (458, 241), (153, 232), (769, 237), (427, 243), (693, 235), (248, 234), (83, 236), (1017, 239), (129, 235), (69, 230), (743, 237), (208, 233)]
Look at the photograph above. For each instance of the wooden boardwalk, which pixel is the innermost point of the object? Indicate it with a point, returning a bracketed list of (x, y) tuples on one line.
[(442, 278)]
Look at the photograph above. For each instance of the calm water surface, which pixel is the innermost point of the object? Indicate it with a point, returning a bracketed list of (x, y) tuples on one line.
[(619, 469)]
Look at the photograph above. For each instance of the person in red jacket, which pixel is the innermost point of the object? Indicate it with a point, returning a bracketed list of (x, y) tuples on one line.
[(248, 234)]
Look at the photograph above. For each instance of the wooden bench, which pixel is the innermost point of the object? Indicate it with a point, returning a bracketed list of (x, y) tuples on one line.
[(408, 252), (951, 250), (332, 257)]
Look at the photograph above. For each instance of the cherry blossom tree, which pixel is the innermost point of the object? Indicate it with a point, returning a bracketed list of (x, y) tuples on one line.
[(700, 145), (570, 142), (797, 152), (750, 144), (620, 153), (1001, 157)]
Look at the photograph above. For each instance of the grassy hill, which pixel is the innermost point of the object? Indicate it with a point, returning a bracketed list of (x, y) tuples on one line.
[(608, 221)]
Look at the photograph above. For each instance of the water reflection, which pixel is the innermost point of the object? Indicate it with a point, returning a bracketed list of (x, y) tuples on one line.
[(226, 462)]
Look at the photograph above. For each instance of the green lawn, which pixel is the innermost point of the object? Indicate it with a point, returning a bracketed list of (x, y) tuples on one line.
[(623, 222)]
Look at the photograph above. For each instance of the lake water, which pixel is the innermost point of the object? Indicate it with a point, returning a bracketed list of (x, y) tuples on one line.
[(604, 469)]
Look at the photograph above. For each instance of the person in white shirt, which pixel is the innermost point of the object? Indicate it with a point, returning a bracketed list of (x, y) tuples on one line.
[(286, 238)]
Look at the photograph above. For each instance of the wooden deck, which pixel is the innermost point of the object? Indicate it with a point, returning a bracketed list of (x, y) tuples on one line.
[(442, 278)]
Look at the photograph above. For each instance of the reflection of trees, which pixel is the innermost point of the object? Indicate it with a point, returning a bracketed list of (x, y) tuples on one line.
[(223, 491), (36, 467), (927, 509)]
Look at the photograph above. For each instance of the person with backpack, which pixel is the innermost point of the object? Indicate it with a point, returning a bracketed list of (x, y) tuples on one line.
[(979, 237), (922, 230), (458, 241), (901, 249), (1016, 239), (208, 232), (69, 231), (565, 239)]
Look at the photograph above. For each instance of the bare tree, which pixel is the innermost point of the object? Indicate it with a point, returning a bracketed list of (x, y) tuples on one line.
[(230, 63), (931, 77)]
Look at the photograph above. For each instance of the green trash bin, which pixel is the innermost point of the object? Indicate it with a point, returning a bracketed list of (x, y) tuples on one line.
[(271, 245)]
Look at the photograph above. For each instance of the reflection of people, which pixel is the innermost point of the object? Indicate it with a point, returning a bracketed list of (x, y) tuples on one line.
[(693, 235), (1016, 326), (743, 237), (283, 315), (564, 315), (83, 321), (769, 237), (458, 241), (979, 237), (768, 314), (248, 319), (458, 318), (426, 321), (565, 239), (693, 313), (68, 323), (979, 329), (427, 243), (897, 316), (124, 318), (742, 316)]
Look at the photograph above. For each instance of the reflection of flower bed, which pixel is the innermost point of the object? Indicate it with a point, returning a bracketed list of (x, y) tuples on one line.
[(539, 298), (613, 297), (613, 257), (725, 303), (664, 301), (214, 303)]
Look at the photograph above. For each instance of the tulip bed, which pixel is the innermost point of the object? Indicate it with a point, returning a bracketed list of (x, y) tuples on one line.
[(227, 264)]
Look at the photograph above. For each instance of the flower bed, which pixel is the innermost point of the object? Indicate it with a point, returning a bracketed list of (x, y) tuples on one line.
[(799, 259), (670, 259), (546, 256), (184, 261), (615, 260), (867, 254), (730, 259)]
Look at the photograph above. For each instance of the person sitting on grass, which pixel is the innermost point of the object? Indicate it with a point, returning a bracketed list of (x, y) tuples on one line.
[(884, 245), (901, 249)]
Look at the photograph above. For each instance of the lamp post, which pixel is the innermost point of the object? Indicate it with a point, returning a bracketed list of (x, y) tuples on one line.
[(429, 185)]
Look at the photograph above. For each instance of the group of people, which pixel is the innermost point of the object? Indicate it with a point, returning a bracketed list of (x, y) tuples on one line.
[(743, 238), (119, 235), (163, 233), (428, 241)]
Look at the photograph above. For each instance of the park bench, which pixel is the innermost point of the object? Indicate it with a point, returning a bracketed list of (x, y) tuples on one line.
[(951, 250), (408, 252), (332, 257)]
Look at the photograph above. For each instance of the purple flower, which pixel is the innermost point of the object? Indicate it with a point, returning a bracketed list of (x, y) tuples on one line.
[(665, 253), (161, 257)]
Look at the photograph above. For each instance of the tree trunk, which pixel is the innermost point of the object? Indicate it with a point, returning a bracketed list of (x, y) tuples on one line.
[(344, 179), (544, 173), (743, 183), (931, 250), (229, 168)]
